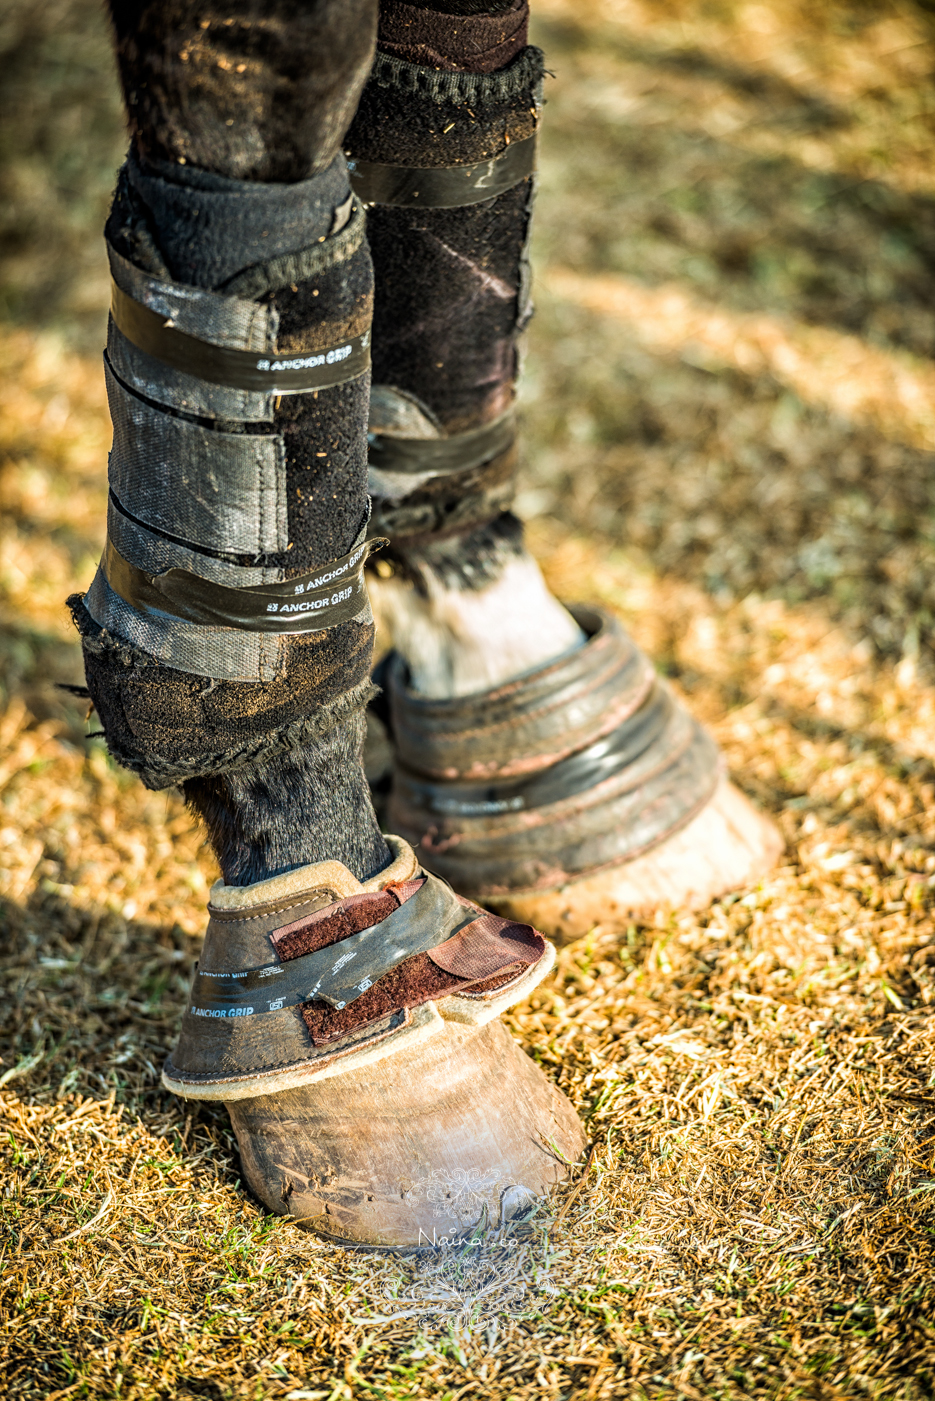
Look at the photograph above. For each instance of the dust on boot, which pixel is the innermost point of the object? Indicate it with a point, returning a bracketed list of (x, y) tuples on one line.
[(541, 766), (228, 634)]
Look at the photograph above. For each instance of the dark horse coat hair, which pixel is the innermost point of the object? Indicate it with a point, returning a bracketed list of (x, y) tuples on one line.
[(253, 815), (256, 90)]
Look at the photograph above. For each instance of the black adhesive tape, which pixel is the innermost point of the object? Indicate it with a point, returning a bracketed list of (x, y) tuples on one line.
[(313, 602), (238, 369), (440, 456), (443, 187)]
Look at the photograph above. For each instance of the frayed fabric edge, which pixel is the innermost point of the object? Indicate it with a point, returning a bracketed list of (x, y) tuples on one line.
[(157, 773)]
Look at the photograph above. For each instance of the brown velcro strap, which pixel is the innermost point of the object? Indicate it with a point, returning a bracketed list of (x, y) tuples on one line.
[(340, 920), (403, 889), (486, 946)]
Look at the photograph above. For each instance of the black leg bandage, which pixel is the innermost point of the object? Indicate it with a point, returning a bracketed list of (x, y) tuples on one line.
[(445, 161), (227, 634), (581, 760)]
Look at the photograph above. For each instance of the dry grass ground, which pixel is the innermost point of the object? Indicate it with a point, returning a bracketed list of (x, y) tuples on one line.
[(731, 422)]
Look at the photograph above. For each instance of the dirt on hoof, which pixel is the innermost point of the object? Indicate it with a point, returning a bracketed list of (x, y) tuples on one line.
[(460, 1131), (728, 845)]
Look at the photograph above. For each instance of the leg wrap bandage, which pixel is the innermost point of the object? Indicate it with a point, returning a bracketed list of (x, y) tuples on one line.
[(236, 486), (584, 762), (446, 162), (220, 558)]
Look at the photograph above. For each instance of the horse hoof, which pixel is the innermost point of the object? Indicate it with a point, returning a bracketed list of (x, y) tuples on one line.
[(461, 1132), (351, 1029), (576, 794)]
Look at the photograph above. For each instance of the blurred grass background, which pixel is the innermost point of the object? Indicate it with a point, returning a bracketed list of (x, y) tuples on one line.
[(61, 141), (729, 408)]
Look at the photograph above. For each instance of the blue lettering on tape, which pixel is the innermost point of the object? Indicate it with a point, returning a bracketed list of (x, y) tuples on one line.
[(222, 1011)]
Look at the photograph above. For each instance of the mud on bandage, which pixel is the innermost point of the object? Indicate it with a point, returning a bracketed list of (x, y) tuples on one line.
[(195, 492), (446, 163), (237, 409)]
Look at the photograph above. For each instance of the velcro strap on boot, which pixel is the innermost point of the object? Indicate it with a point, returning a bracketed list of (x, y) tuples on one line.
[(480, 110), (436, 457), (516, 731), (214, 337), (443, 187), (157, 335), (427, 486), (340, 973)]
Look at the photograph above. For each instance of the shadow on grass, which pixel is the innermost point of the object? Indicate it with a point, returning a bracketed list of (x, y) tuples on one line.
[(92, 998)]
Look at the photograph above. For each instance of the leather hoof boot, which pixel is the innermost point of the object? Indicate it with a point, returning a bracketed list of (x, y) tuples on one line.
[(351, 1030), (462, 1130), (577, 793), (726, 846)]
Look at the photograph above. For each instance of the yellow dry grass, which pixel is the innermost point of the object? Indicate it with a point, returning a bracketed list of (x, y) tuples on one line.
[(756, 1217), (842, 374)]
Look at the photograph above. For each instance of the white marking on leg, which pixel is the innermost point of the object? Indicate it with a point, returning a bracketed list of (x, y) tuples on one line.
[(460, 641)]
